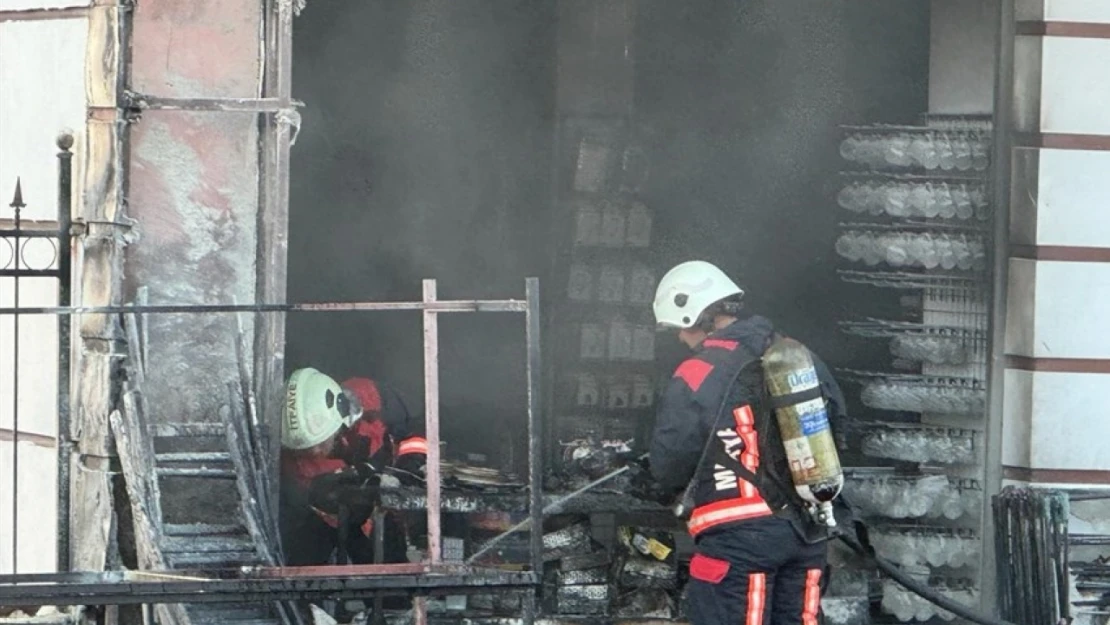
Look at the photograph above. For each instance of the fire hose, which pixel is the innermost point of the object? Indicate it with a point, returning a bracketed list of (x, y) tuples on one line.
[(884, 565), (554, 506), (906, 581), (686, 504)]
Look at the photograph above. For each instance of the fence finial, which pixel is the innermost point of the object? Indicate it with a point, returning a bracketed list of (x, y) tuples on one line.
[(17, 200), (64, 140)]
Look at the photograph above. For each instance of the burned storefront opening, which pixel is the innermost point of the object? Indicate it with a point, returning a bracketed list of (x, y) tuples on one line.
[(596, 145), (402, 310)]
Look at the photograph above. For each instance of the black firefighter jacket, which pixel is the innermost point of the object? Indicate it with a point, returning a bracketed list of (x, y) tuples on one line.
[(692, 405)]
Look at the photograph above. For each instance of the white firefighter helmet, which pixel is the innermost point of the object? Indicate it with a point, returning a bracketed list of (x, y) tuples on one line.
[(687, 290), (312, 413)]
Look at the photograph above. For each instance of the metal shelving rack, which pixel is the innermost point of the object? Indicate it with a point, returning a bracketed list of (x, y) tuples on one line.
[(605, 381), (921, 223)]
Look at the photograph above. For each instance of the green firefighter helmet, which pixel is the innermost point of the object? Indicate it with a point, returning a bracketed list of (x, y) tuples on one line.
[(312, 409)]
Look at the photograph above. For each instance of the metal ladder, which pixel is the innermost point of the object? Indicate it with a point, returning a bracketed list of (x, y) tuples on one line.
[(242, 533)]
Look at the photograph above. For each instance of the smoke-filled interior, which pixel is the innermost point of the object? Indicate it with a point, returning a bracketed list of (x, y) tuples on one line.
[(429, 150)]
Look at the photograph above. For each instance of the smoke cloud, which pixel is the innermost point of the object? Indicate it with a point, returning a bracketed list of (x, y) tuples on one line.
[(427, 146)]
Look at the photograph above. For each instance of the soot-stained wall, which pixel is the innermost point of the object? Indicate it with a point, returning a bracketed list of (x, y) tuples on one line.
[(424, 154), (747, 97)]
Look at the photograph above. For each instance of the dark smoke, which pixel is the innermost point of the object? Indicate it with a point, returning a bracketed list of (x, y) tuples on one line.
[(426, 152)]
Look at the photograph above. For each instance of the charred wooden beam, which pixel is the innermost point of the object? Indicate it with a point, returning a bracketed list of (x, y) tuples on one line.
[(276, 135), (262, 527), (102, 202), (144, 102), (35, 15), (254, 431), (246, 479), (136, 455), (441, 306)]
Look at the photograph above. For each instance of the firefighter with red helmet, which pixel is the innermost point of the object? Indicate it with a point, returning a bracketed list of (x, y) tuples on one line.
[(758, 558), (339, 446), (386, 433)]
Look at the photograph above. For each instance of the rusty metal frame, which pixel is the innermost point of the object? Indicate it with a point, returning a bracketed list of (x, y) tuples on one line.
[(273, 583), (144, 102), (1002, 145), (113, 588)]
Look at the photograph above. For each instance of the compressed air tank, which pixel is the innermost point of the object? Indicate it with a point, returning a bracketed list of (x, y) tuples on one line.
[(803, 419)]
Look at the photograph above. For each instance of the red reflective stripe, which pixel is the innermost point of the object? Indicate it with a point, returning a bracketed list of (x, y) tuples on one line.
[(693, 372), (413, 446), (726, 511), (811, 606), (749, 455), (720, 343), (747, 489), (757, 598), (744, 416)]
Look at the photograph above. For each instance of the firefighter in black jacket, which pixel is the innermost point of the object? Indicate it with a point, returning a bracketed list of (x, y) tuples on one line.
[(759, 559)]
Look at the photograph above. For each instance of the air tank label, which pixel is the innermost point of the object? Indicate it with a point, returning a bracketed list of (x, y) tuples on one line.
[(814, 423), (802, 380), (800, 455)]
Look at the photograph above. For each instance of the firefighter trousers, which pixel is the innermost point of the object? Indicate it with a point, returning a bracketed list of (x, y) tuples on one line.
[(758, 572)]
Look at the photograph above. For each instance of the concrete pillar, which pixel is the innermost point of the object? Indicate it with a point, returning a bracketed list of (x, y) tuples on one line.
[(1057, 334)]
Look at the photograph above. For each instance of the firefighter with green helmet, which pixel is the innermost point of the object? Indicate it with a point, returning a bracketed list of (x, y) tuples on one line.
[(327, 500)]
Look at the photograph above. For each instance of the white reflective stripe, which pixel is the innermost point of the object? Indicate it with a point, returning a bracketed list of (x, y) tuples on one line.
[(702, 520), (757, 598)]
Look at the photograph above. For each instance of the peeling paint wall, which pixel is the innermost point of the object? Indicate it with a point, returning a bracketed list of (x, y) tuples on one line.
[(194, 195)]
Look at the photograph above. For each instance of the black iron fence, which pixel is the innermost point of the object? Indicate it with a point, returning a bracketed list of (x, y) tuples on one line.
[(18, 237), (1031, 556)]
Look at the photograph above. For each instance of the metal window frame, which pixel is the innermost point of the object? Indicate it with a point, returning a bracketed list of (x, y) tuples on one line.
[(996, 366)]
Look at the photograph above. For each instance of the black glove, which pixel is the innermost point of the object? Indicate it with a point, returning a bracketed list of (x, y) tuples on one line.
[(368, 473), (414, 464), (642, 485), (373, 477), (407, 478), (353, 487)]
